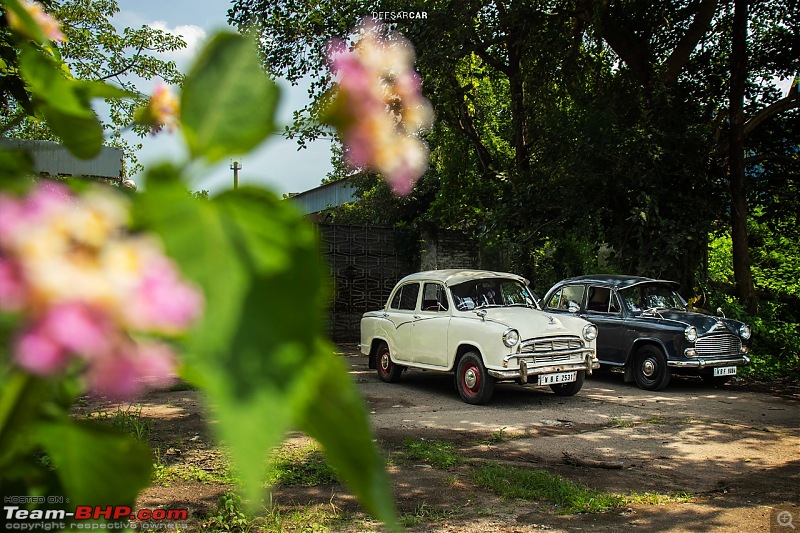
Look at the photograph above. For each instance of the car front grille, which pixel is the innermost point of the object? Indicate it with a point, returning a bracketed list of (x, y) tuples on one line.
[(719, 345), (552, 349)]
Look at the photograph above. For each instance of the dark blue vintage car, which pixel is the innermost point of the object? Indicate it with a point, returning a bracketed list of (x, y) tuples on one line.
[(646, 329)]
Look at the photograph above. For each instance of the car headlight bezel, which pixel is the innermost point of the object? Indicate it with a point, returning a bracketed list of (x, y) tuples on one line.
[(690, 333), (511, 337), (745, 332), (589, 332)]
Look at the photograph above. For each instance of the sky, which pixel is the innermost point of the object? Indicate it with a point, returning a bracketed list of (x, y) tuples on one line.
[(277, 164)]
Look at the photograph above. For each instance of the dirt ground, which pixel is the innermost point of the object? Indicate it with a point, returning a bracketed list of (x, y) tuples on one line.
[(735, 449)]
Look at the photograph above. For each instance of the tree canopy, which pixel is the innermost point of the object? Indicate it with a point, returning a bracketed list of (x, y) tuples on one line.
[(95, 50)]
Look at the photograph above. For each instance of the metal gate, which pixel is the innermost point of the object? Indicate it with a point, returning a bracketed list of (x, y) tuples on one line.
[(365, 264)]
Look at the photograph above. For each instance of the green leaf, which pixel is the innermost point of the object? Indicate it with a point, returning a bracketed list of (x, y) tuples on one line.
[(83, 136), (95, 464), (260, 350), (337, 404), (228, 103)]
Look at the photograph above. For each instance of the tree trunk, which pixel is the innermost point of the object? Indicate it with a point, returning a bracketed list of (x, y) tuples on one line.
[(741, 247)]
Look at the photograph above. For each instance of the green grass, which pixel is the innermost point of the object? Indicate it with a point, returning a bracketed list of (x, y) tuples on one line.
[(621, 423), (436, 453), (166, 475), (522, 484), (424, 513), (229, 516), (300, 466), (567, 496), (128, 420), (307, 519)]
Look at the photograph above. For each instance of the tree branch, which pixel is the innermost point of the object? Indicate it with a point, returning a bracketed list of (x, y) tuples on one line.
[(697, 29), (127, 67), (792, 101)]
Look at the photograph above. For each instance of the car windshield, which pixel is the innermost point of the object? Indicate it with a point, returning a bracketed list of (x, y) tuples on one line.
[(492, 292), (651, 297)]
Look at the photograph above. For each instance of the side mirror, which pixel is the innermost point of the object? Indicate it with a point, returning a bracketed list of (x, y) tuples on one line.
[(573, 307)]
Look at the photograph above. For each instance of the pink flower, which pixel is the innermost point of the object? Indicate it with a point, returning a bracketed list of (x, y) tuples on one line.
[(13, 294), (37, 353), (127, 373), (378, 108), (162, 301), (80, 329), (161, 110), (83, 286), (49, 25)]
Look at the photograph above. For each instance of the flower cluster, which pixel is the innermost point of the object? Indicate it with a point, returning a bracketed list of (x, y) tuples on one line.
[(378, 107), (49, 25), (84, 286), (161, 110)]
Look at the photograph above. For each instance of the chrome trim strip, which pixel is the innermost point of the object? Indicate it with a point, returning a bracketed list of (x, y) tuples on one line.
[(526, 355), (707, 363), (535, 371)]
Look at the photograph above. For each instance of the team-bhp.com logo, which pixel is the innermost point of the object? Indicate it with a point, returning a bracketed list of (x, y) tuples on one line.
[(18, 518)]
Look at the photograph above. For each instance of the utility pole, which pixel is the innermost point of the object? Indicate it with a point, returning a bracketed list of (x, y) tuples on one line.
[(236, 167)]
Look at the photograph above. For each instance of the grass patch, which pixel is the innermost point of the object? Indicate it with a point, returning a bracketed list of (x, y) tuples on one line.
[(567, 496), (521, 484), (424, 513), (656, 420), (166, 475), (309, 519), (654, 498), (128, 420), (300, 466), (439, 454), (229, 516), (621, 423)]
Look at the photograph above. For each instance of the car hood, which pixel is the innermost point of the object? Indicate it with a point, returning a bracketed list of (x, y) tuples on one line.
[(532, 323), (704, 323)]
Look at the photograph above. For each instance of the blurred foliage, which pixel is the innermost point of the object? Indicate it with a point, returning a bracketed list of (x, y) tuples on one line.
[(263, 373)]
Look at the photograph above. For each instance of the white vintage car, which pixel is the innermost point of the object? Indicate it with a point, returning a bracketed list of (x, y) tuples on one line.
[(485, 326)]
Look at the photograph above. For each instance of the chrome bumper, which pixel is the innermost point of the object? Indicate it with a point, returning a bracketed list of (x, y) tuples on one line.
[(701, 363), (530, 369)]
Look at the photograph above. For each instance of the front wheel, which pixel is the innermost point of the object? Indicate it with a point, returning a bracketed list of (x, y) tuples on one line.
[(474, 383), (650, 369), (388, 371), (570, 389)]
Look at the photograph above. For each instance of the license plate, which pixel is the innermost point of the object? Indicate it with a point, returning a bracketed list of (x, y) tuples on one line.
[(560, 377), (725, 371)]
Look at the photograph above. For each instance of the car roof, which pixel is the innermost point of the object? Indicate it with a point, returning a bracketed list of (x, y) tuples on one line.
[(455, 276), (616, 280)]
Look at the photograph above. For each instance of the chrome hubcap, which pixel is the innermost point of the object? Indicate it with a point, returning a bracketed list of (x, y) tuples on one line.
[(470, 378), (648, 368), (385, 361)]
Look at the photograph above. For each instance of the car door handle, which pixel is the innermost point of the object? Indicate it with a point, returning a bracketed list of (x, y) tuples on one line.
[(417, 316)]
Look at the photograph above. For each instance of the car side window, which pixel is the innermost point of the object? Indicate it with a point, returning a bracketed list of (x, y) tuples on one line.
[(552, 303), (599, 300), (613, 304), (434, 297), (572, 295), (405, 299)]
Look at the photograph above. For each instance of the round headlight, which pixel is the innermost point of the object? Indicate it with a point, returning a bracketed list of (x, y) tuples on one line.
[(745, 331), (590, 332), (690, 333), (510, 337)]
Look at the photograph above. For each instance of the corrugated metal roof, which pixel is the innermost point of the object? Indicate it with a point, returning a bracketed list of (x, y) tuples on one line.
[(54, 160)]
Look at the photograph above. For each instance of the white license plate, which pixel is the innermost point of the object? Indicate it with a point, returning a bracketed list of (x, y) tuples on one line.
[(560, 377), (724, 370)]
